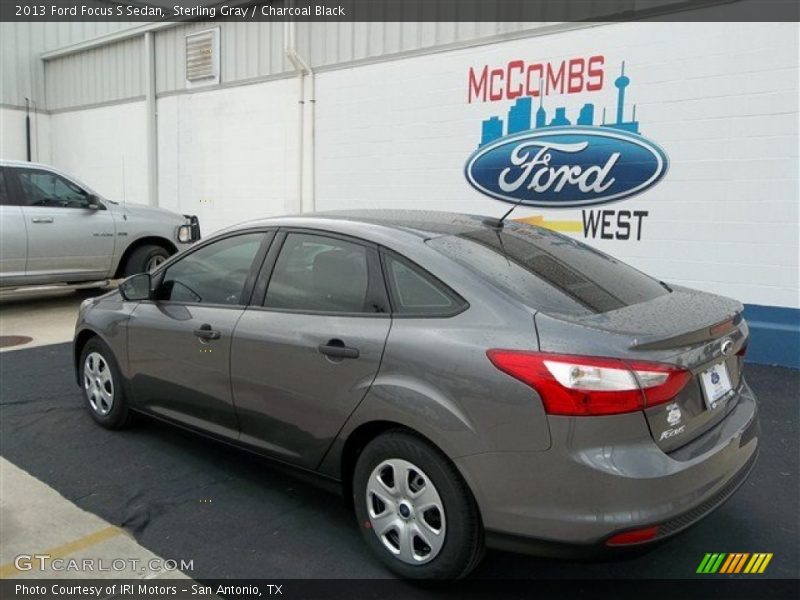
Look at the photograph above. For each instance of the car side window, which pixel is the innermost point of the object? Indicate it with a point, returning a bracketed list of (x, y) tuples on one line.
[(213, 274), (415, 292), (4, 200), (43, 188), (316, 273)]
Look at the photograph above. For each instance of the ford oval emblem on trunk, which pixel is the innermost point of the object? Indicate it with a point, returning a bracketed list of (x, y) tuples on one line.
[(566, 166)]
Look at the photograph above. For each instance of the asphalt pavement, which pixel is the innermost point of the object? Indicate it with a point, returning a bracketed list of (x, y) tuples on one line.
[(233, 515)]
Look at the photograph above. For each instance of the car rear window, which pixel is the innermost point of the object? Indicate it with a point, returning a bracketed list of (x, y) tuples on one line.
[(548, 271)]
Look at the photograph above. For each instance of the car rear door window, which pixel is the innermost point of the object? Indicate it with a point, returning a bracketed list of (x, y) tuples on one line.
[(316, 273), (548, 271), (213, 274), (42, 188), (415, 292)]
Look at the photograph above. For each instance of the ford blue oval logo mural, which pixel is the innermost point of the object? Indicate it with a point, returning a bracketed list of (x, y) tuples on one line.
[(566, 166), (543, 158)]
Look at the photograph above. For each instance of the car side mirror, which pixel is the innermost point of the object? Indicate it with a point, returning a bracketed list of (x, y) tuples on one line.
[(136, 287), (93, 203)]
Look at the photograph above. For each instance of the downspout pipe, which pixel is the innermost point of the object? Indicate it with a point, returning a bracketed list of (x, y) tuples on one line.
[(28, 129), (151, 116), (303, 70)]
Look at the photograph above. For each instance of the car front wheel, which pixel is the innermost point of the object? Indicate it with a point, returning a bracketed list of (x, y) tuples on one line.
[(414, 509), (102, 386)]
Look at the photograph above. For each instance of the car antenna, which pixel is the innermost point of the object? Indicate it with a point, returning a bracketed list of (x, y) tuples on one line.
[(496, 223)]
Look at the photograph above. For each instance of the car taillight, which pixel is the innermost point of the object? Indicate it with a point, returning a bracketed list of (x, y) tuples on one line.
[(587, 385)]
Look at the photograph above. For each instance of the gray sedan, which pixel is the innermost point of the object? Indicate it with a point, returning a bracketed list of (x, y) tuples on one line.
[(463, 382)]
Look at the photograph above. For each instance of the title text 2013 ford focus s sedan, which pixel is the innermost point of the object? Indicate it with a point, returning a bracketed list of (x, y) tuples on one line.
[(465, 382)]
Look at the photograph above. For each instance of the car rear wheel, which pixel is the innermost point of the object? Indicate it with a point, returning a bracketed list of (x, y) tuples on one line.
[(145, 259), (414, 509), (101, 384)]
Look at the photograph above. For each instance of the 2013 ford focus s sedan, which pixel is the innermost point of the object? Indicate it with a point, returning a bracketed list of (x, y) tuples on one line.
[(465, 382)]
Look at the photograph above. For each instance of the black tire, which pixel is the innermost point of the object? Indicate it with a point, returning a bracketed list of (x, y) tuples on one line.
[(118, 416), (463, 546), (142, 257)]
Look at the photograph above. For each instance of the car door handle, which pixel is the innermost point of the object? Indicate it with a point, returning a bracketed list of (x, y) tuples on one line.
[(336, 349), (206, 333), (42, 219)]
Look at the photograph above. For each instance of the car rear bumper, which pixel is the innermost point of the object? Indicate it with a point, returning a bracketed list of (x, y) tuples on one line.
[(583, 490)]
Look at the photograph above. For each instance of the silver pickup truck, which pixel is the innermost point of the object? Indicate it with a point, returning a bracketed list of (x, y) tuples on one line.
[(55, 229)]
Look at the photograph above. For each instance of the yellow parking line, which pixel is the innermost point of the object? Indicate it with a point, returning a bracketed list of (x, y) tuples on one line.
[(9, 570)]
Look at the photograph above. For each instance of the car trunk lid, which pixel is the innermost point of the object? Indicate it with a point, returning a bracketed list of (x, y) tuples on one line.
[(700, 332), (590, 304)]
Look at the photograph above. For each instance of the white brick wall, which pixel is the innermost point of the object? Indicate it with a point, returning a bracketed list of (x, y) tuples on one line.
[(721, 99), (105, 147), (229, 155), (12, 135)]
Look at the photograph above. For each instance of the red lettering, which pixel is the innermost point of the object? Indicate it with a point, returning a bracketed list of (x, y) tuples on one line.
[(532, 86), (594, 81), (518, 78), (514, 92), (555, 80), (496, 91), (477, 88), (575, 79)]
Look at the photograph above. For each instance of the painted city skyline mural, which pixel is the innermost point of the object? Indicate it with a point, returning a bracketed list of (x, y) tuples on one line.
[(550, 158), (520, 115)]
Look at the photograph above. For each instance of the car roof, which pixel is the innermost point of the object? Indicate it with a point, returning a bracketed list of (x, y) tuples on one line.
[(6, 162), (423, 223)]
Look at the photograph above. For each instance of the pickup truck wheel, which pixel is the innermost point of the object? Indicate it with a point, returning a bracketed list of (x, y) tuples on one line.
[(145, 259)]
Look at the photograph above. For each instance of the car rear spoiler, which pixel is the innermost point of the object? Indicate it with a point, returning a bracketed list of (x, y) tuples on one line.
[(679, 319), (690, 338)]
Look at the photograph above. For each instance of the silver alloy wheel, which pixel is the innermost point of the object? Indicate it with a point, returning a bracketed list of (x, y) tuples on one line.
[(154, 262), (98, 383), (405, 511)]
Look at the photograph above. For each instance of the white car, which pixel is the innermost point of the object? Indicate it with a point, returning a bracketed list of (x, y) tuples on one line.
[(55, 229)]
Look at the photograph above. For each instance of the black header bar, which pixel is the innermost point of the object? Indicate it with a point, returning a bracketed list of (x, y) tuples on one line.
[(400, 10)]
